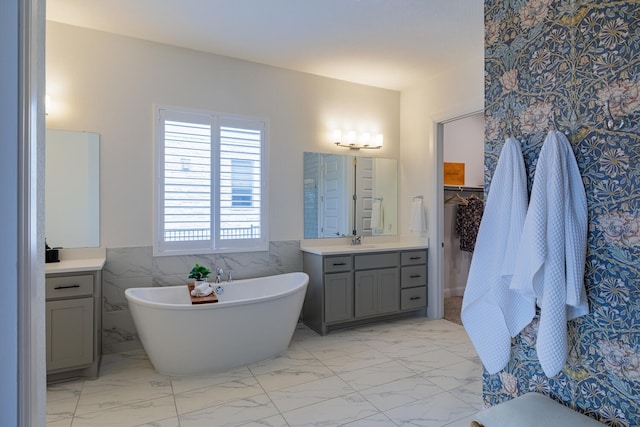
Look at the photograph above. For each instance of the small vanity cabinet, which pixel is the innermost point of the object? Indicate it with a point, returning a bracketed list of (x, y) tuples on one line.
[(73, 319), (360, 287), (338, 288), (413, 280)]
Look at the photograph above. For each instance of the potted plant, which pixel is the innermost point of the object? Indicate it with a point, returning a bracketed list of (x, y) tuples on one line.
[(199, 273)]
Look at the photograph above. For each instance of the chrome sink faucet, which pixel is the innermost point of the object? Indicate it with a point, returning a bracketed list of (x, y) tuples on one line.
[(356, 240)]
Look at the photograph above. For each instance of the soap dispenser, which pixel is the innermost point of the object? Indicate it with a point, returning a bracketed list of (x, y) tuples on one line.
[(50, 255)]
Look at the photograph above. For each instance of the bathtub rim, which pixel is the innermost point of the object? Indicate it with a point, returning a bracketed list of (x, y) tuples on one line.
[(132, 298)]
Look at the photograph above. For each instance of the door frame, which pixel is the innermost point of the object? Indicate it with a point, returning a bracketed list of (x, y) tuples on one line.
[(31, 375), (438, 126)]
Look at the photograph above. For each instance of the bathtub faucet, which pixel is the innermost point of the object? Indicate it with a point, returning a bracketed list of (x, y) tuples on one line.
[(219, 274)]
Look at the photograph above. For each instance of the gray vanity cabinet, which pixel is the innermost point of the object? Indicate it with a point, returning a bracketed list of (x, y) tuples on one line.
[(329, 297), (413, 280), (351, 289), (338, 295), (69, 333), (73, 320), (377, 284)]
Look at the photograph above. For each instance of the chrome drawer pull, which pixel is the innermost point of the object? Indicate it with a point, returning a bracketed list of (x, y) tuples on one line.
[(415, 298), (67, 287), (416, 276), (339, 263)]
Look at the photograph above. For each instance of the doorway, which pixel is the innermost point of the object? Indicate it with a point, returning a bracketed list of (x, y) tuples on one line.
[(460, 144)]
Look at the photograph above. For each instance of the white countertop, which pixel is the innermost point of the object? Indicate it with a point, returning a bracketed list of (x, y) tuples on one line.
[(75, 265), (365, 247)]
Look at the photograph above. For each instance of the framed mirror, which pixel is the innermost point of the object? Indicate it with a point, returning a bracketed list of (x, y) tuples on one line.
[(72, 189), (348, 195)]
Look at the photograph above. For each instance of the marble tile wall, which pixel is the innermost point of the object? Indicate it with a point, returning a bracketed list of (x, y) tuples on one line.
[(137, 267)]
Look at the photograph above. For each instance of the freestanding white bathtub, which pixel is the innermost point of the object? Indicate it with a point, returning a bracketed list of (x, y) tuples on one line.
[(253, 320)]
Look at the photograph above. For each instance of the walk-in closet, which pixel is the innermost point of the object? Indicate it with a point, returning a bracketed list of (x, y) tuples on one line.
[(463, 157)]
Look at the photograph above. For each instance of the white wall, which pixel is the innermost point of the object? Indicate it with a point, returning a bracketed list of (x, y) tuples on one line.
[(104, 83), (453, 94)]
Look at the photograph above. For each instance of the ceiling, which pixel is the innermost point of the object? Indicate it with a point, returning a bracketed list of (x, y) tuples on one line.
[(385, 43)]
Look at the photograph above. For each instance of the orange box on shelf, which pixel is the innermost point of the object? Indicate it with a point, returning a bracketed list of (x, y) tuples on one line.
[(453, 173)]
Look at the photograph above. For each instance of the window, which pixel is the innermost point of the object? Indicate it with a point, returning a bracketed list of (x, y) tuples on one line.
[(210, 183)]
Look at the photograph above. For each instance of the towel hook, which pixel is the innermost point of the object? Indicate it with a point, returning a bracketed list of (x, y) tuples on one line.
[(610, 122), (555, 123)]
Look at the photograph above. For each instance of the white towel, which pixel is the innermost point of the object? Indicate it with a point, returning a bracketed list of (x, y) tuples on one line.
[(377, 215), (552, 253), (202, 290), (418, 220), (491, 312)]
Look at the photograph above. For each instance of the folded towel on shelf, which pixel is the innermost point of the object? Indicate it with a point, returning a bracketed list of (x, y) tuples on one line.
[(377, 215), (491, 312), (418, 220), (552, 253), (202, 290)]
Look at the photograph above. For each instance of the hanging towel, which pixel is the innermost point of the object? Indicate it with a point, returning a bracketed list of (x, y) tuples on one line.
[(491, 312), (418, 220), (552, 252), (377, 217)]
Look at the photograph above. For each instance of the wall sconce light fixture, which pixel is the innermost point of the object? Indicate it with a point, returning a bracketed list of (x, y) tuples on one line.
[(356, 141)]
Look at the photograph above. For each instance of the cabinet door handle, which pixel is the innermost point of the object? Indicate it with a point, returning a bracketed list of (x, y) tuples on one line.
[(335, 264), (413, 258), (416, 276), (67, 287), (414, 298)]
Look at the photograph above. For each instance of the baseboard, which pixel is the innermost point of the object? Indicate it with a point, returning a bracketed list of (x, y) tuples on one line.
[(455, 292)]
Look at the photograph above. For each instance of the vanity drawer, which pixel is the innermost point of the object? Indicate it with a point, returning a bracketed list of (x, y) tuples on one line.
[(413, 298), (69, 286), (415, 275), (383, 260), (413, 257), (337, 263)]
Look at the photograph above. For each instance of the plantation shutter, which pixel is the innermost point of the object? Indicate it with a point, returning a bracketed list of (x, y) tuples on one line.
[(210, 183), (240, 185), (185, 196)]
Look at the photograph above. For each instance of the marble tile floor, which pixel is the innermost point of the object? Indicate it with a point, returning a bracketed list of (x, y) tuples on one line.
[(410, 372)]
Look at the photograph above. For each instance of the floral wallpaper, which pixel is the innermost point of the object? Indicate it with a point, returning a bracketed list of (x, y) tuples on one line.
[(575, 66)]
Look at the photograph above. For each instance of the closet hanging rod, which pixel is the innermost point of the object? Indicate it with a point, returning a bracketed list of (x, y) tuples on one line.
[(462, 188)]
